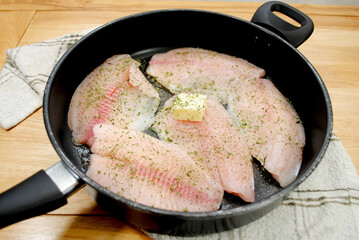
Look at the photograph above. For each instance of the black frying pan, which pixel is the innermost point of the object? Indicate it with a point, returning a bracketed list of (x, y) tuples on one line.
[(143, 35)]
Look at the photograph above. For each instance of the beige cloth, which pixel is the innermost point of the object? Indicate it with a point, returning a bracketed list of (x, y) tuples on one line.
[(24, 76), (325, 206)]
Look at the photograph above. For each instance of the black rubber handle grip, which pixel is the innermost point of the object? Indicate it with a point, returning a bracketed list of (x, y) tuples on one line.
[(265, 17), (35, 196)]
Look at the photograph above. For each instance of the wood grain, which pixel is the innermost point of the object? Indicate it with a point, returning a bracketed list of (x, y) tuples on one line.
[(52, 24), (110, 5), (333, 49), (71, 227), (11, 36), (334, 52)]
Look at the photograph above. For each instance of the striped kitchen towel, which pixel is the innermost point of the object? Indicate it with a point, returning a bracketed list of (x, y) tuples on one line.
[(24, 76), (324, 206)]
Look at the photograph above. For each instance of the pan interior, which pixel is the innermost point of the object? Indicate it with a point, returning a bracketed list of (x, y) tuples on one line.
[(265, 185), (288, 69)]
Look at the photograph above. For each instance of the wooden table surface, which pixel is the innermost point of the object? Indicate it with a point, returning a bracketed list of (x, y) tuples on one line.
[(333, 49)]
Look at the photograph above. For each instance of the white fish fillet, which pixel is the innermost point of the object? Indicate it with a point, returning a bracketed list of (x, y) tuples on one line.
[(116, 93), (216, 141), (152, 172), (200, 71), (274, 132)]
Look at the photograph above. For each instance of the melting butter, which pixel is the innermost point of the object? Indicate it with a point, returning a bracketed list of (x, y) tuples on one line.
[(189, 106)]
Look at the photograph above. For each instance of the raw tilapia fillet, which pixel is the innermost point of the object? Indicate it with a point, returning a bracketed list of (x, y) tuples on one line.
[(115, 93), (216, 141), (200, 71), (272, 127), (152, 172)]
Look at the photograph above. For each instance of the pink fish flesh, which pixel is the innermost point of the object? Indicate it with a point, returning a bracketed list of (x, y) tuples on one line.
[(116, 93), (152, 172), (273, 130), (216, 141), (200, 71), (270, 125)]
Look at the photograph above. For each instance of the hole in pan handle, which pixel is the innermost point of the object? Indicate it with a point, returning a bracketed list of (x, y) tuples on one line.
[(265, 17), (41, 193)]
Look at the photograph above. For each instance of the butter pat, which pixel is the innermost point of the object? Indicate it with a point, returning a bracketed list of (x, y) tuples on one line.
[(189, 106)]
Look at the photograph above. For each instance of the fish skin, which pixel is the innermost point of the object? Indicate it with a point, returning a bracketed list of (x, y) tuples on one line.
[(152, 172), (275, 134), (198, 70), (216, 141), (116, 93)]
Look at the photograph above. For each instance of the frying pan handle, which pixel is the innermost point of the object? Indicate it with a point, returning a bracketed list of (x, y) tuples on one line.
[(39, 194), (265, 17)]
